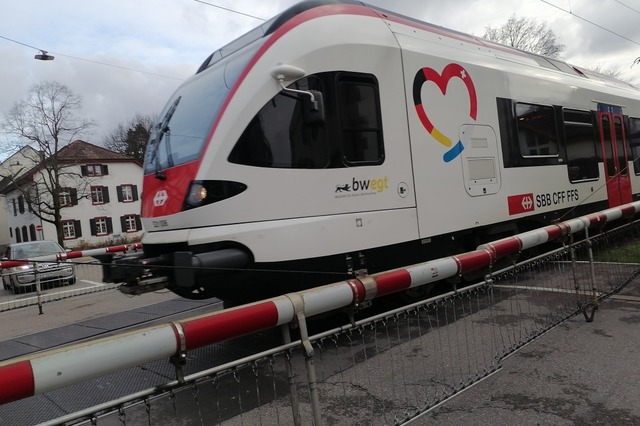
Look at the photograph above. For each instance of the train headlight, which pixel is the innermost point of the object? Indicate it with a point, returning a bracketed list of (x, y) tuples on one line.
[(197, 194), (203, 192)]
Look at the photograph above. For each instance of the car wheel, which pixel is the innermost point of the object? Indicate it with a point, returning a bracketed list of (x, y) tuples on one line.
[(71, 281)]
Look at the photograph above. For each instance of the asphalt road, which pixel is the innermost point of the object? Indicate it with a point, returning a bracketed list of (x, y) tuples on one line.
[(580, 373)]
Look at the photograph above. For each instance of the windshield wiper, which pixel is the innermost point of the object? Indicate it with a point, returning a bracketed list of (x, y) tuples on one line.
[(161, 129)]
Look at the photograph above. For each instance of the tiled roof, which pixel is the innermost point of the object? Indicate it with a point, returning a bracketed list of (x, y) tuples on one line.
[(79, 150)]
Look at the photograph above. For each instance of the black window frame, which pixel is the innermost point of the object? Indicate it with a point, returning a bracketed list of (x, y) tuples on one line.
[(256, 147), (94, 229), (634, 143), (344, 79), (570, 160), (247, 152), (510, 141)]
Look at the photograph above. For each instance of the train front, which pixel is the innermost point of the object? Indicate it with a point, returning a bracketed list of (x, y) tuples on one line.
[(260, 152), (175, 196)]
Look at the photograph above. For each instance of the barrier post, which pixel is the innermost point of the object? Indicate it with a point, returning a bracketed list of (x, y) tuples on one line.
[(314, 396), (38, 289), (594, 295), (293, 391)]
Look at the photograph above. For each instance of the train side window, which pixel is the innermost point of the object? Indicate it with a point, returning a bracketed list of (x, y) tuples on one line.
[(360, 121), (634, 139), (580, 142), (278, 137), (537, 136)]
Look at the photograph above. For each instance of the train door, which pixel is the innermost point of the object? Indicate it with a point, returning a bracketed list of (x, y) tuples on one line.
[(614, 154)]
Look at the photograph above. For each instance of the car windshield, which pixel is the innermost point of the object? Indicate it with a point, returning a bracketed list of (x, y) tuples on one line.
[(187, 119), (35, 249)]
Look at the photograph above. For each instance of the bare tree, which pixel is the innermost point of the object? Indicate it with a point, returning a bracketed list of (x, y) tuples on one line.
[(526, 34), (131, 138), (47, 120)]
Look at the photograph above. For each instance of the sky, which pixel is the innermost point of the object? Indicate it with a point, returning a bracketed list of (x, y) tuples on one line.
[(124, 57)]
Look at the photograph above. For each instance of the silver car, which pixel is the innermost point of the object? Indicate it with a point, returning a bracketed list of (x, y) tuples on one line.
[(23, 278)]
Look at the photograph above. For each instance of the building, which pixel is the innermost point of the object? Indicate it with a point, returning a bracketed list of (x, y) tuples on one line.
[(98, 198), (10, 169)]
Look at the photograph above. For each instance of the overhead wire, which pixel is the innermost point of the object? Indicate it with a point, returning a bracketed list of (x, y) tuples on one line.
[(627, 6), (590, 22), (230, 10), (128, 68), (91, 60)]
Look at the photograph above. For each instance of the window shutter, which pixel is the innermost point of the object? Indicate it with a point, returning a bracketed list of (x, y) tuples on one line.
[(109, 226), (92, 224), (123, 224), (119, 192), (83, 171), (105, 170), (78, 228), (138, 223), (105, 194), (74, 196), (134, 190)]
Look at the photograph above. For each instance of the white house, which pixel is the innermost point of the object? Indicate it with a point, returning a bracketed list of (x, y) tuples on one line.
[(11, 169), (99, 197)]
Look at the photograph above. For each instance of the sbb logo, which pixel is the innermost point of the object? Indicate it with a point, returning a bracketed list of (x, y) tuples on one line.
[(522, 203), (160, 198)]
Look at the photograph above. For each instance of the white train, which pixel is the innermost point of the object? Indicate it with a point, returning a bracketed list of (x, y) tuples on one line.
[(338, 137)]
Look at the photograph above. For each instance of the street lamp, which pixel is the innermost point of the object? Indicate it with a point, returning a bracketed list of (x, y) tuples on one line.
[(43, 56)]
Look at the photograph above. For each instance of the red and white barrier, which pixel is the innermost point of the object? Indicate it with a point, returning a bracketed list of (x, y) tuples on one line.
[(59, 257), (44, 372)]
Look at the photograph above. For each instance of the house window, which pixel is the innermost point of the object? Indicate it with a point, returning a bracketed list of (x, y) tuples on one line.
[(95, 170), (15, 207), (101, 226), (18, 236), (32, 232), (25, 233), (99, 194), (127, 193), (21, 204), (68, 230), (71, 229), (68, 197), (131, 223), (65, 197)]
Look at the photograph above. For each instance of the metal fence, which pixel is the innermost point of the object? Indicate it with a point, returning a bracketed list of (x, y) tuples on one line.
[(380, 369), (38, 280)]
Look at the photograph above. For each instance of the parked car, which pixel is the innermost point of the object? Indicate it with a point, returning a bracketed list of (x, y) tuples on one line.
[(22, 278)]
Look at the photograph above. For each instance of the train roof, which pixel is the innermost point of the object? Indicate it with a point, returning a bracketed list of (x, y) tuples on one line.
[(277, 21)]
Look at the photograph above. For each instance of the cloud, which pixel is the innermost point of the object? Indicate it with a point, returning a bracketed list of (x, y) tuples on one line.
[(172, 38)]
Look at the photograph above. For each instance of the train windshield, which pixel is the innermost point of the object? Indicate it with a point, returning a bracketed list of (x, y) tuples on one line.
[(186, 120)]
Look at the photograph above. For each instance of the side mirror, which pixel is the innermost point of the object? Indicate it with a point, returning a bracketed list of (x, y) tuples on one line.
[(313, 110)]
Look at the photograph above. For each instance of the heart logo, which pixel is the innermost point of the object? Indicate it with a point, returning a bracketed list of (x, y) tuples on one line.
[(442, 81)]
